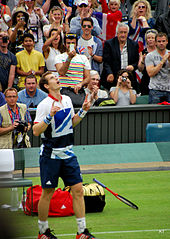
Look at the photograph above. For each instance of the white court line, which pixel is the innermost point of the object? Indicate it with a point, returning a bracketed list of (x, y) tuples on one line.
[(111, 232)]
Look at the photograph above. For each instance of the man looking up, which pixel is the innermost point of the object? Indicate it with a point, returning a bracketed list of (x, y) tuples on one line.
[(89, 45), (55, 120), (31, 96)]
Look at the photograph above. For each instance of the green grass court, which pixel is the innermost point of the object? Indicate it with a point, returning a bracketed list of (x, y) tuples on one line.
[(149, 190)]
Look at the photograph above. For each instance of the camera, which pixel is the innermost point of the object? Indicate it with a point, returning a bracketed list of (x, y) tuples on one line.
[(124, 78), (5, 39), (21, 126), (22, 18), (145, 51)]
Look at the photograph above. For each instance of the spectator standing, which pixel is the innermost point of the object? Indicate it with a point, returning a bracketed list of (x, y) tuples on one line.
[(31, 96), (158, 69), (52, 47), (5, 17), (29, 61), (8, 62), (89, 45), (2, 99), (56, 21), (36, 20), (84, 11), (11, 135), (161, 8), (19, 22), (73, 68), (150, 46), (123, 94), (119, 53), (141, 20), (163, 24), (125, 8), (113, 16)]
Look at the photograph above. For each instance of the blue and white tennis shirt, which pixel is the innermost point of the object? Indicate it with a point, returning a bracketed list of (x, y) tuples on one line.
[(58, 138)]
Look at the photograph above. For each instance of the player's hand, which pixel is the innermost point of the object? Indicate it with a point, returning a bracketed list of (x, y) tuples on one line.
[(87, 103), (54, 109)]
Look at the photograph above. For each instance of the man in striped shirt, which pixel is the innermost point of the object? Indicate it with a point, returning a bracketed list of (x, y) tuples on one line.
[(73, 68)]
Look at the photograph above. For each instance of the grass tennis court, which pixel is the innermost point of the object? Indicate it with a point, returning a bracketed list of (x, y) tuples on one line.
[(149, 190)]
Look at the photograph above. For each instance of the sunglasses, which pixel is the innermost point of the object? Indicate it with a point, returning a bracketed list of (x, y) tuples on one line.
[(151, 31), (84, 26), (71, 35), (83, 5), (141, 7)]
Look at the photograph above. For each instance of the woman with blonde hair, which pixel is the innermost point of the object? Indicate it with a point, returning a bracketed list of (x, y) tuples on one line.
[(141, 20), (56, 17)]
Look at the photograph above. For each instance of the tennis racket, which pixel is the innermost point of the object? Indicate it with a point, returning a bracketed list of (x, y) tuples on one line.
[(122, 199)]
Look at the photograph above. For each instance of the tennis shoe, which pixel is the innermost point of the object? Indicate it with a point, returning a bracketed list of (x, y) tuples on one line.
[(85, 235), (46, 235)]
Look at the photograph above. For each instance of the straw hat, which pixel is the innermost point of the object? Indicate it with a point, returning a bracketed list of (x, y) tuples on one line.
[(19, 9)]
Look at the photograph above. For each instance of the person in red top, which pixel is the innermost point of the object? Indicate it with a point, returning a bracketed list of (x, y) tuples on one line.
[(113, 16)]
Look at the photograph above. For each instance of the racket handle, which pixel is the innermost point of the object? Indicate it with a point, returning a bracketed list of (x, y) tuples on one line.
[(101, 184)]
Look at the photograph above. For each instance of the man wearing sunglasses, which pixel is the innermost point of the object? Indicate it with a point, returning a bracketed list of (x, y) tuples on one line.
[(84, 11), (74, 69), (89, 45)]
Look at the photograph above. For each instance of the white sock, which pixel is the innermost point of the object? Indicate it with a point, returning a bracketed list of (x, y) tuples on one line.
[(81, 223), (43, 225)]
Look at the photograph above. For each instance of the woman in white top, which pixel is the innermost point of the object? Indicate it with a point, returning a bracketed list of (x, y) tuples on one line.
[(52, 47), (123, 94), (56, 21)]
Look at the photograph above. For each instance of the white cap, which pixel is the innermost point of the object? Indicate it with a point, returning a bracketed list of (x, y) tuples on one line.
[(83, 2)]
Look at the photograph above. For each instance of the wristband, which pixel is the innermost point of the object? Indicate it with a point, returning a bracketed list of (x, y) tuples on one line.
[(48, 119), (81, 113)]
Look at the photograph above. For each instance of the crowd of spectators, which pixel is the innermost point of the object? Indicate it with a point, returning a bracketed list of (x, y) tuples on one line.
[(90, 45)]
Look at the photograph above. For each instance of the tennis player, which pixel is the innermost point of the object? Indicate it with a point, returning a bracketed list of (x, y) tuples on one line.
[(55, 119)]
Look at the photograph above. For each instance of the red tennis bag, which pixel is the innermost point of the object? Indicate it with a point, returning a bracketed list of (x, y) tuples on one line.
[(61, 204)]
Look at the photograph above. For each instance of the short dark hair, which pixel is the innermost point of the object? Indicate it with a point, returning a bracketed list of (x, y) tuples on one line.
[(31, 77), (161, 34), (70, 36), (29, 35), (88, 19), (44, 81), (10, 89)]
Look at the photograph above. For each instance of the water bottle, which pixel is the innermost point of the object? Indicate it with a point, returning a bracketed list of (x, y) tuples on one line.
[(14, 200), (24, 201)]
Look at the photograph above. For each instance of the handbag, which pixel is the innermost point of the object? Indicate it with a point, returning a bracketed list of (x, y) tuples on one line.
[(77, 99)]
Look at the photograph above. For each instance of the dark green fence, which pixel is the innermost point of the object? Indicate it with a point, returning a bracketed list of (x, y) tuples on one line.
[(112, 125)]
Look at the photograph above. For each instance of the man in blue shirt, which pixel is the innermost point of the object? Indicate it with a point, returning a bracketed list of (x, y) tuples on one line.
[(31, 96), (2, 99)]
